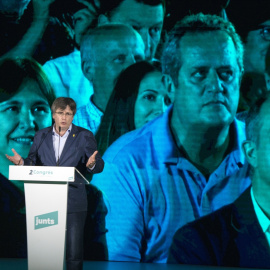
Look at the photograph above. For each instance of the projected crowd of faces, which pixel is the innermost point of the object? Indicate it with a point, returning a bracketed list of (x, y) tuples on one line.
[(204, 94)]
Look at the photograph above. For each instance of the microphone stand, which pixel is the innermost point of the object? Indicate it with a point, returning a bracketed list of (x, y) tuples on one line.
[(44, 137), (57, 164)]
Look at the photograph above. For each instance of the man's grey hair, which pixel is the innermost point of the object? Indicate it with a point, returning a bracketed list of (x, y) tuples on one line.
[(110, 30), (171, 58)]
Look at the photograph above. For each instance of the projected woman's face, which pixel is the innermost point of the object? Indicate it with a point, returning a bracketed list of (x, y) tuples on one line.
[(153, 98), (20, 117)]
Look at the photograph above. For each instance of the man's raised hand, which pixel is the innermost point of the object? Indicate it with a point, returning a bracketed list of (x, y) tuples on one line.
[(92, 160), (16, 159)]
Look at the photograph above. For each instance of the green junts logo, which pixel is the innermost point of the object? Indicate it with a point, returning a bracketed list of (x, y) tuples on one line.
[(46, 220)]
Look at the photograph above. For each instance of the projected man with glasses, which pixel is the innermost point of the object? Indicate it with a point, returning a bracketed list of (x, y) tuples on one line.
[(65, 144), (252, 22)]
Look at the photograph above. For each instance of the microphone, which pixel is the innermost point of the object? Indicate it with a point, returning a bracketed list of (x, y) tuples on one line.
[(57, 164), (43, 138)]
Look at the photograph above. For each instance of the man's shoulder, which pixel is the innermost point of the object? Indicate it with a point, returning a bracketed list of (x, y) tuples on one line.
[(213, 224), (62, 60), (133, 143), (78, 129), (88, 118), (87, 110), (44, 131), (81, 110), (195, 242), (222, 219)]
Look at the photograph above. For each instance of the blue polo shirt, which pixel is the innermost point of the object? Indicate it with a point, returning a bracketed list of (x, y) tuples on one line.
[(152, 189)]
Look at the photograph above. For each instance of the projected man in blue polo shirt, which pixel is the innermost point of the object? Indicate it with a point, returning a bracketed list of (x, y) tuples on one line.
[(188, 162)]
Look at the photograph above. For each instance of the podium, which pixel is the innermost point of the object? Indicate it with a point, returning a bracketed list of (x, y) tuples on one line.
[(46, 193)]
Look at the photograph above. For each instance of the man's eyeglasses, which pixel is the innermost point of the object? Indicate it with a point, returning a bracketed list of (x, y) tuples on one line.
[(64, 114), (265, 31)]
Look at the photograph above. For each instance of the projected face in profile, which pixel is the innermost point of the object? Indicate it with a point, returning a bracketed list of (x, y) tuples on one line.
[(256, 47), (261, 162), (21, 115)]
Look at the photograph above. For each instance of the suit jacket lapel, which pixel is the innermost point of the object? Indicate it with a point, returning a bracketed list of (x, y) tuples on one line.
[(250, 240), (49, 145), (70, 140)]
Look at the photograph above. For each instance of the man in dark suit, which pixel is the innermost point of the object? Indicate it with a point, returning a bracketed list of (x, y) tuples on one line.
[(65, 144), (238, 234)]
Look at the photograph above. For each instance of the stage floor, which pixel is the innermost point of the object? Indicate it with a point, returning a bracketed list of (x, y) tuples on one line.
[(21, 264)]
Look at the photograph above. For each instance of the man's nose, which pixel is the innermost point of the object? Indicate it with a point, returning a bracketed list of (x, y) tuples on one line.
[(64, 116), (26, 119), (214, 83), (147, 42)]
